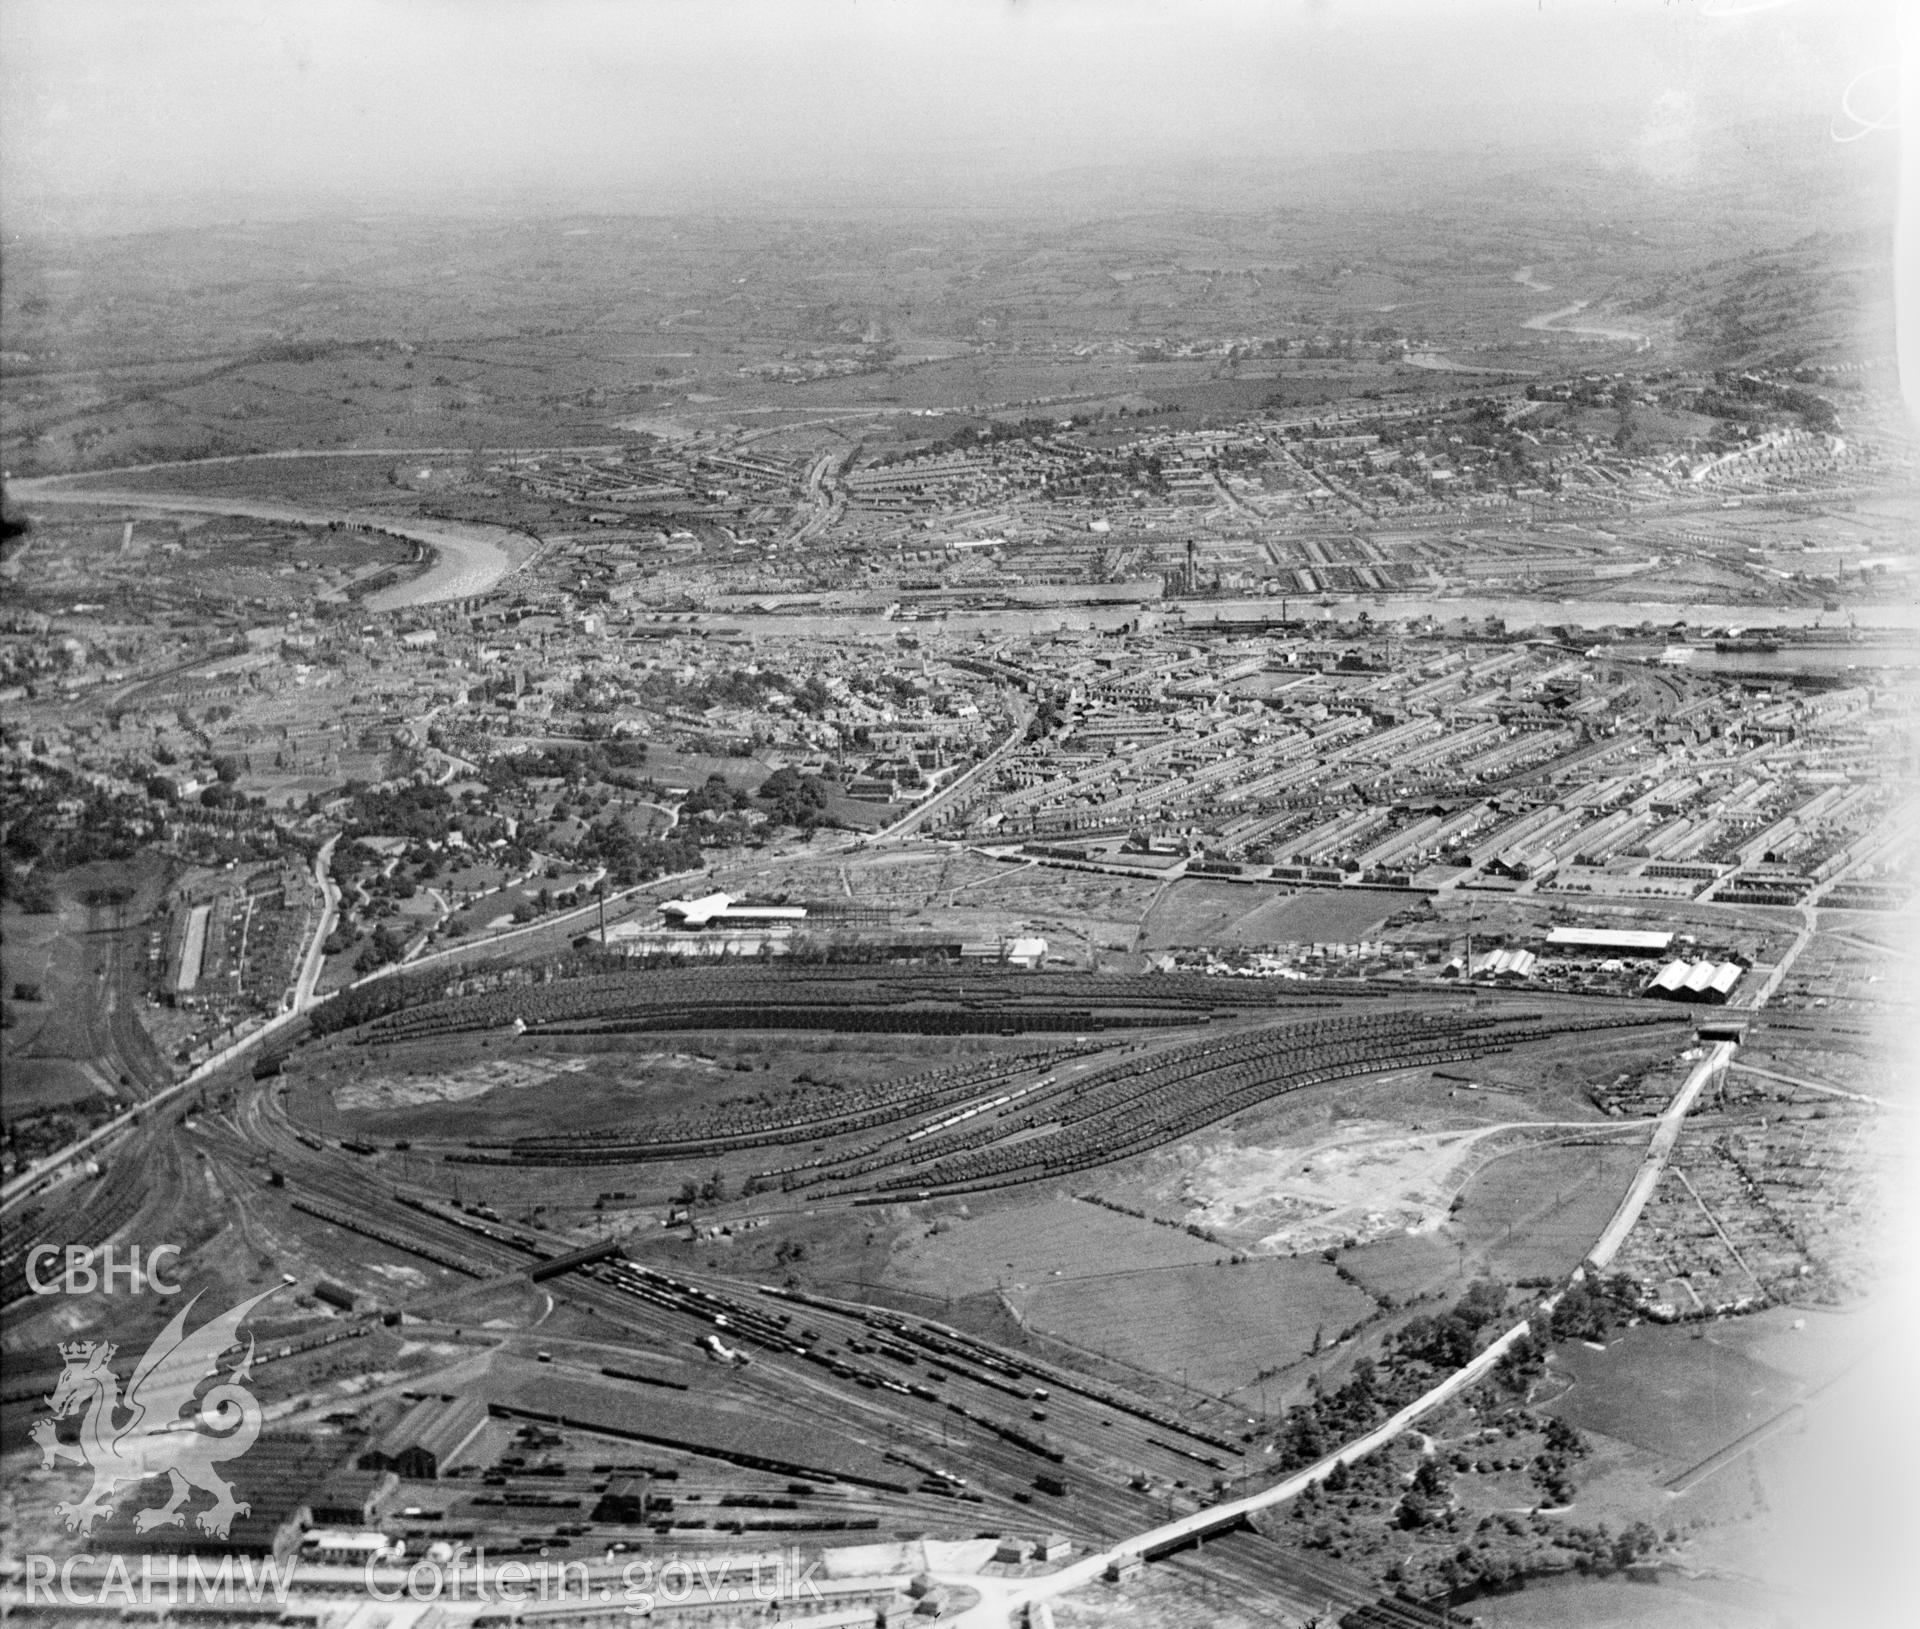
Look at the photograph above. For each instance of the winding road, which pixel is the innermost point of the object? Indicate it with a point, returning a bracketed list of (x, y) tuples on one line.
[(1002, 1599)]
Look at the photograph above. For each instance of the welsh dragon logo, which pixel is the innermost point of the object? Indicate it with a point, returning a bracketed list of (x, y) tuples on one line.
[(143, 1434)]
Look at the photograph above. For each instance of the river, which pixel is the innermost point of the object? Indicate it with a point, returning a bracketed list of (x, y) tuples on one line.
[(1517, 614), (468, 558), (1555, 322)]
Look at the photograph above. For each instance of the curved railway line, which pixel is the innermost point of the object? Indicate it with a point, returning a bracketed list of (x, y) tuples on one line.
[(853, 998), (991, 1385), (966, 1429)]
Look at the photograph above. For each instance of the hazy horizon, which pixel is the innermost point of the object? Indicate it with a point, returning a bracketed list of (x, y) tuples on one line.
[(118, 117)]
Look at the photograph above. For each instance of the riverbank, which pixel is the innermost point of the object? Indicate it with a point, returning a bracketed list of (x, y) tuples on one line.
[(465, 558)]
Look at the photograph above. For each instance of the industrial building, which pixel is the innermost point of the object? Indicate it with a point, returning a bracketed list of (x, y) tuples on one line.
[(1702, 981), (351, 1497), (1612, 941), (1508, 964), (427, 1438), (720, 911)]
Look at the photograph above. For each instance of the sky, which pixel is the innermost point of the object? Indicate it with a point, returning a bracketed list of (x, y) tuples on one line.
[(124, 106)]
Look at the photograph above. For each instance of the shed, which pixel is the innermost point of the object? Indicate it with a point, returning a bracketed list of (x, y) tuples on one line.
[(346, 1548), (1669, 979), (350, 1497), (1615, 941), (427, 1438)]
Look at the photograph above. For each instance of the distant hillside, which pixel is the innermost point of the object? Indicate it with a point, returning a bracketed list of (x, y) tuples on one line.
[(1828, 299)]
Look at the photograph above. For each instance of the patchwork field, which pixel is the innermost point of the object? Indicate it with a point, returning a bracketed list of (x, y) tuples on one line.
[(1196, 911), (1404, 1266), (1674, 1391), (1611, 1604), (1020, 1245), (1217, 1327), (1536, 1213)]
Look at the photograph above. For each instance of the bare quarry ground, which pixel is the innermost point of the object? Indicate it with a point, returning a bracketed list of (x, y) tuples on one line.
[(1355, 1182), (393, 1092), (1339, 1185)]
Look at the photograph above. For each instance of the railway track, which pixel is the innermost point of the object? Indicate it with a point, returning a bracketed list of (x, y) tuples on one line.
[(930, 1402), (985, 1392)]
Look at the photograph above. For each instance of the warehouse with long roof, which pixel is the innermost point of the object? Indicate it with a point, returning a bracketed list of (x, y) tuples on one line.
[(1706, 982)]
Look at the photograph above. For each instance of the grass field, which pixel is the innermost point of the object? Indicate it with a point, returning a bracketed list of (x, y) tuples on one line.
[(1148, 1296), (88, 968), (1024, 1245), (1404, 1266), (1213, 1327), (46, 1083), (1675, 1391), (1318, 916), (1608, 1603), (1536, 1213), (1196, 911)]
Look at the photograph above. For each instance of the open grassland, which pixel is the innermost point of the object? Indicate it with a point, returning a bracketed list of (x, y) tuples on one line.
[(1043, 1241), (1405, 1266), (1215, 1327), (1609, 1603), (1675, 1391), (85, 965), (1197, 911), (1125, 1289), (1536, 1213), (358, 479)]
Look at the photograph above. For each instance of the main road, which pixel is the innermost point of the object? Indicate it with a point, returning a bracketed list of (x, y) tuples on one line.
[(316, 956), (1001, 1600), (999, 1604), (43, 1172), (1659, 1147), (950, 794)]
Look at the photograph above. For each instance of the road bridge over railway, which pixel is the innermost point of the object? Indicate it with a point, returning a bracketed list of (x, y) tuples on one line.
[(996, 1611)]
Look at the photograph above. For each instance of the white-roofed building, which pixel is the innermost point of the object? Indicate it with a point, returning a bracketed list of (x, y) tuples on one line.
[(719, 911), (1613, 941), (1705, 982)]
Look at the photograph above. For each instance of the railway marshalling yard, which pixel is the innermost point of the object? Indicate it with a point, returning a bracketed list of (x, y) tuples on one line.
[(899, 1253), (909, 1251), (1039, 1271), (1183, 1127)]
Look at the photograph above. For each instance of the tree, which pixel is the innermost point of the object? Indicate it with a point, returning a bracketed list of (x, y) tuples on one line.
[(794, 799), (385, 946)]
